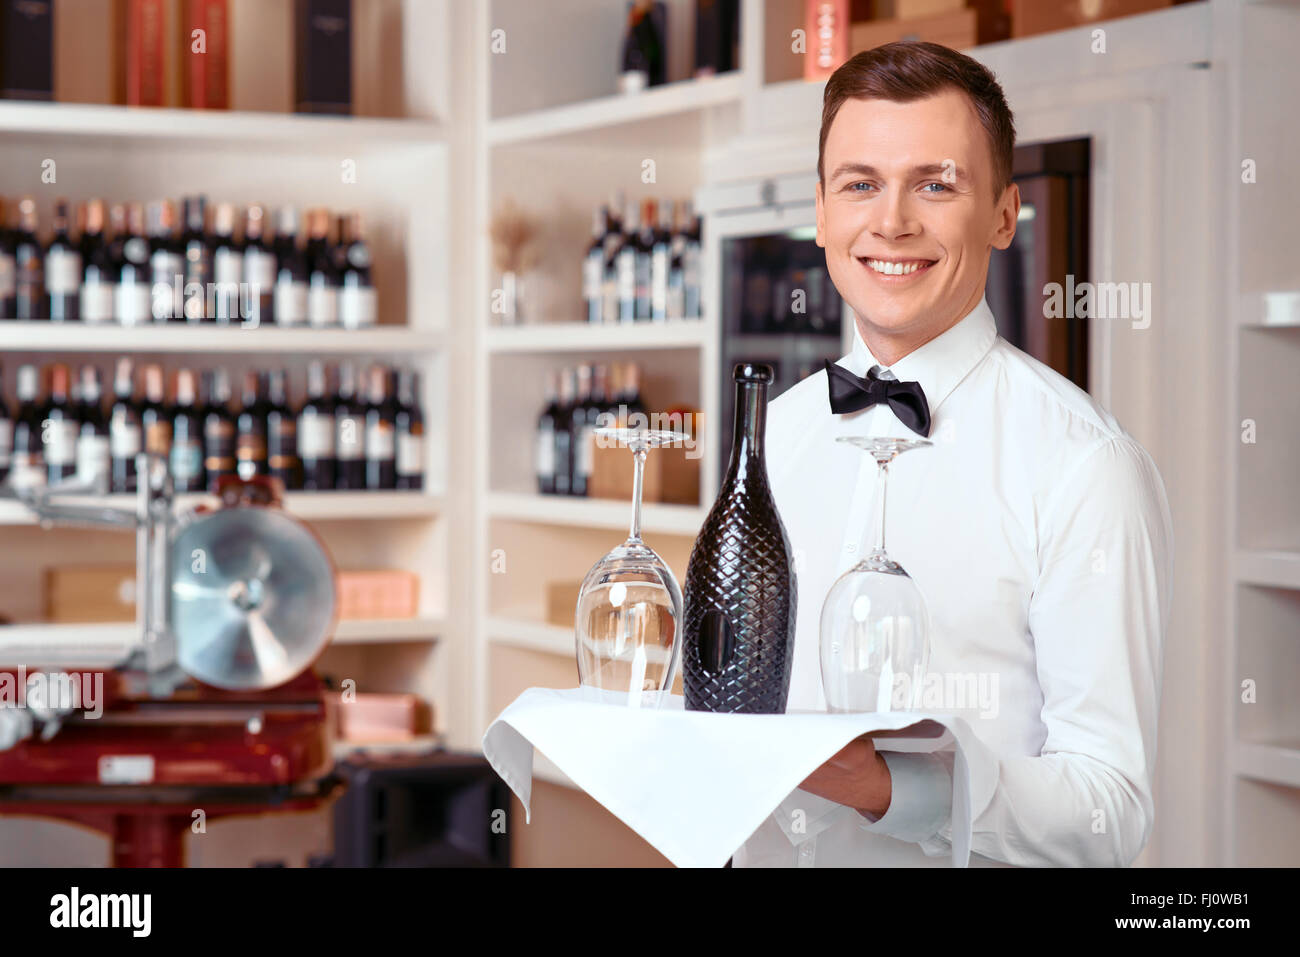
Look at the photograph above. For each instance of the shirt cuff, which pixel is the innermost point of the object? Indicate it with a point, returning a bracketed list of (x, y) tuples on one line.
[(921, 800)]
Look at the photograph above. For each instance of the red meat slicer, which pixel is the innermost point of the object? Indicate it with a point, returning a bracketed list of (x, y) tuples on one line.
[(210, 706)]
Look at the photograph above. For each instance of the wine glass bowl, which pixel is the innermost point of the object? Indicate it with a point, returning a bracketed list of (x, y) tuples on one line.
[(629, 611), (875, 627)]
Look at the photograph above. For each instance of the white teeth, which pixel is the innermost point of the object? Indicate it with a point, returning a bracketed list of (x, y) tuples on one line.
[(895, 269)]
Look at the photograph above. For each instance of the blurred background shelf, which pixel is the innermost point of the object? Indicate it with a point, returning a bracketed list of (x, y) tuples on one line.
[(1274, 763), (1271, 568), (311, 506), (581, 337), (520, 632), (182, 338), (594, 513)]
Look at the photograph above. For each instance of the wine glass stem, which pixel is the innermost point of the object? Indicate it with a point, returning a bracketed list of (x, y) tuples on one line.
[(883, 481), (638, 470)]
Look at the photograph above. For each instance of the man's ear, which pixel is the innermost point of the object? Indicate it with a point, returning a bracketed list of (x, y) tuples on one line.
[(1008, 214), (821, 217)]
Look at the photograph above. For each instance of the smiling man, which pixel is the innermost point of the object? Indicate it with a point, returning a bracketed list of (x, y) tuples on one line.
[(1037, 529)]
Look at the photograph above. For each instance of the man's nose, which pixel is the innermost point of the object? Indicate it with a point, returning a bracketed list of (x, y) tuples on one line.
[(893, 216)]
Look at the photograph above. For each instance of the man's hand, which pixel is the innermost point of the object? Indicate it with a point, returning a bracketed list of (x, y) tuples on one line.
[(856, 777)]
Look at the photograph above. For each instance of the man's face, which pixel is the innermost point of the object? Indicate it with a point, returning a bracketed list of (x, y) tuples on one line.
[(906, 214)]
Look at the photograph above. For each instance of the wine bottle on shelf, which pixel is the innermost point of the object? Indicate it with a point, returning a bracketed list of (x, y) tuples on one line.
[(29, 265), (381, 432), (250, 427), (6, 431), (8, 276), (349, 432), (134, 274), (282, 433), (739, 602), (602, 395), (581, 422), (258, 300), (644, 60), (661, 255), (692, 265), (227, 266), (98, 270), (27, 464), (358, 308), (63, 268), (93, 450), (186, 460), (197, 250), (677, 265), (410, 431), (219, 429), (290, 292), (155, 416), (124, 428), (544, 450), (322, 279), (166, 263), (316, 431), (593, 267), (59, 427), (625, 263), (564, 435), (632, 403), (645, 244)]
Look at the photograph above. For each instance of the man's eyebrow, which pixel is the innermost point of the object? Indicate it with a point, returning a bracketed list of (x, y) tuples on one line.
[(946, 170)]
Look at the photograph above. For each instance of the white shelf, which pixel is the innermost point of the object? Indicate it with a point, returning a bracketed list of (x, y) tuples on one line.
[(379, 631), (587, 337), (1275, 763), (518, 632), (595, 513), (1271, 569), (41, 336), (309, 506), (687, 99), (212, 129), (420, 744)]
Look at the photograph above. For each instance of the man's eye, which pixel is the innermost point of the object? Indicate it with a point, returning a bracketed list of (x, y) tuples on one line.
[(940, 187), (859, 187)]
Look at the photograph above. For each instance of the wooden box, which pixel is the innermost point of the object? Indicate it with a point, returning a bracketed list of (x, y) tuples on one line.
[(379, 593), (958, 30), (377, 718), (909, 9), (1030, 17), (90, 593), (671, 475)]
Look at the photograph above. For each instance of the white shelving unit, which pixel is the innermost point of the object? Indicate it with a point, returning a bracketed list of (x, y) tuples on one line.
[(396, 171)]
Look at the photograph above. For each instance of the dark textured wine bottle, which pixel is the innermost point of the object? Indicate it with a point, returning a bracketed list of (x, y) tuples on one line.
[(739, 616)]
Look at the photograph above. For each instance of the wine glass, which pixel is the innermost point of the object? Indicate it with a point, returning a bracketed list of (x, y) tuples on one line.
[(629, 613), (875, 643)]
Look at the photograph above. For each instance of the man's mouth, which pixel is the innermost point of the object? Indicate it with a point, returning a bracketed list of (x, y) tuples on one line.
[(896, 269)]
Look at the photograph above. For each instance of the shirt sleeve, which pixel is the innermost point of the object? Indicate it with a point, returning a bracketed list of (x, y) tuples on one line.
[(1097, 617), (920, 801)]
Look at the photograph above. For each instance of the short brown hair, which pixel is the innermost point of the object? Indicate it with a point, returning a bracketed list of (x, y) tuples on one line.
[(912, 70)]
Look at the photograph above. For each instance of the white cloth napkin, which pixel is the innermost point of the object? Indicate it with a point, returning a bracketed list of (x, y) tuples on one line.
[(696, 785)]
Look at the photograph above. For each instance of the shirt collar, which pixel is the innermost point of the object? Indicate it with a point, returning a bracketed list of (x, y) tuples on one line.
[(939, 364)]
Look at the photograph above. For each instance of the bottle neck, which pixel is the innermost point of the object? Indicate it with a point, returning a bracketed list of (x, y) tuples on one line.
[(751, 423)]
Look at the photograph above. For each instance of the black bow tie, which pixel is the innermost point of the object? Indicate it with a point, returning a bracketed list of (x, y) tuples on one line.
[(849, 393)]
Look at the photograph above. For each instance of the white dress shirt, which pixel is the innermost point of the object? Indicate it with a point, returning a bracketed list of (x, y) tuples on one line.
[(1039, 533)]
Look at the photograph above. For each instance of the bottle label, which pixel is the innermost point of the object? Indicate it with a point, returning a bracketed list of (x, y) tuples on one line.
[(282, 438), (322, 306), (659, 263), (357, 307), (250, 447), (60, 439), (227, 266), (585, 450), (92, 456), (545, 454), (97, 299), (158, 437), (186, 462), (8, 278), (593, 275), (351, 438), (316, 436), (259, 270), (626, 283), (27, 470), (123, 440), (290, 303), (219, 445), (410, 454), (6, 441), (134, 303), (168, 270), (62, 271), (381, 442)]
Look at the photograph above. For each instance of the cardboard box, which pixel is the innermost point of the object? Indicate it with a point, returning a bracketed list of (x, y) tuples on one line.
[(562, 603), (382, 593), (669, 476), (956, 30), (377, 718), (1030, 17), (910, 9), (90, 593)]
